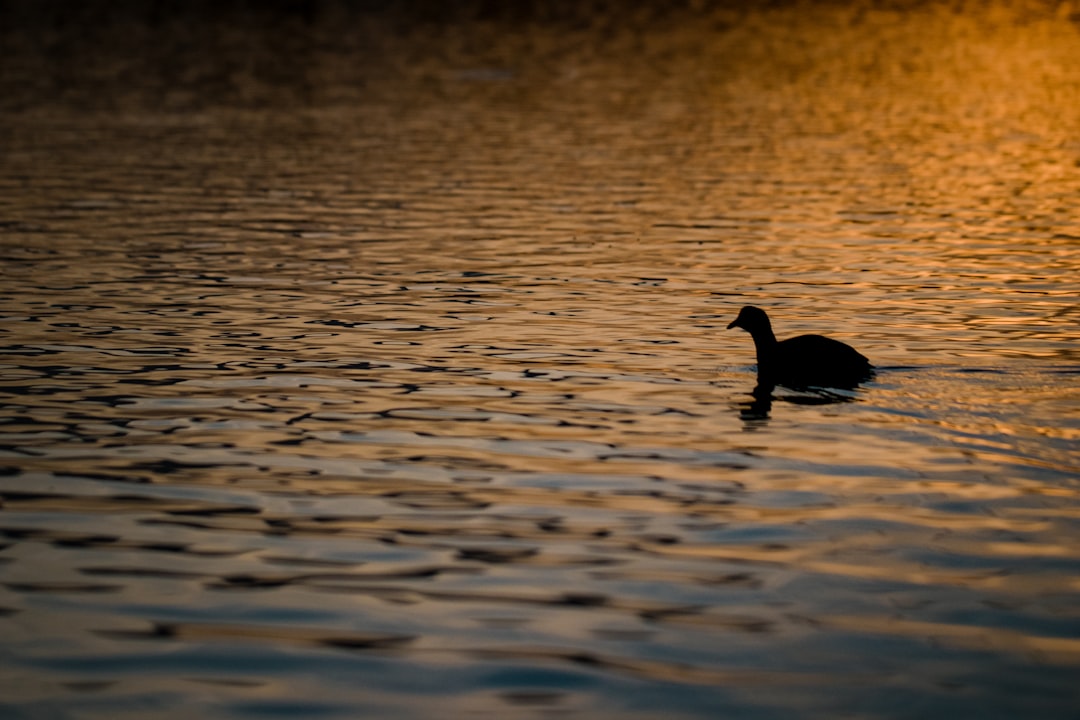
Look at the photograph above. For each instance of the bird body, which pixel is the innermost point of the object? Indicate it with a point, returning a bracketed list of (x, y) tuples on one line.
[(803, 361)]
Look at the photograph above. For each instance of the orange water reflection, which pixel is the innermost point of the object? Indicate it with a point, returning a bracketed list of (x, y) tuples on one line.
[(405, 349)]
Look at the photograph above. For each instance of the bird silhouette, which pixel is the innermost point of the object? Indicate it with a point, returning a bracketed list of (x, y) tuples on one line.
[(803, 361)]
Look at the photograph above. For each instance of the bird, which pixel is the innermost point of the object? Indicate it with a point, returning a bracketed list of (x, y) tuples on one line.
[(801, 362)]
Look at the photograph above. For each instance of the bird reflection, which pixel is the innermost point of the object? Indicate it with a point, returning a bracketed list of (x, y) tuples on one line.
[(755, 412)]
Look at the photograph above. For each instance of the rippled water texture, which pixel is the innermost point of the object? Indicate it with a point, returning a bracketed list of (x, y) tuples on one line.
[(374, 364)]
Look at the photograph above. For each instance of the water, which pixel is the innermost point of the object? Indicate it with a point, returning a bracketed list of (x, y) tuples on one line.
[(390, 377)]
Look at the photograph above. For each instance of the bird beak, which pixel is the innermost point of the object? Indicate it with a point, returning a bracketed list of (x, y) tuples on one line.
[(734, 323)]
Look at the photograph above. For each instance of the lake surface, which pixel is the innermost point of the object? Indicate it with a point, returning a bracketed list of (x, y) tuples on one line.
[(363, 364)]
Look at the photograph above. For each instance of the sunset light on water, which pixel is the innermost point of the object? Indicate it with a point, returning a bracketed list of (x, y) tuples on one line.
[(365, 362)]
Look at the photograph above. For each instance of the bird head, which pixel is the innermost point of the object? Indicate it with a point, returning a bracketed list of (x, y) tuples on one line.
[(750, 319)]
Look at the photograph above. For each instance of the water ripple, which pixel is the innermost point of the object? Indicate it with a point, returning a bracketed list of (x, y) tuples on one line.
[(391, 368)]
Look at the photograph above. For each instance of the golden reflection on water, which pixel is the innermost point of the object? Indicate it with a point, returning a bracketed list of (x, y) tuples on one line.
[(416, 359)]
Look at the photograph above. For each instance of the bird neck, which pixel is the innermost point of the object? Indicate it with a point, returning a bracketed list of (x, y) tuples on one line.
[(764, 344)]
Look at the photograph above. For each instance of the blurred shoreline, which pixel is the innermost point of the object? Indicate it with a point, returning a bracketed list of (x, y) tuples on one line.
[(184, 56)]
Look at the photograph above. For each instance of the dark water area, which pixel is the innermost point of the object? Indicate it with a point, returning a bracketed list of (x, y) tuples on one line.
[(372, 362)]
